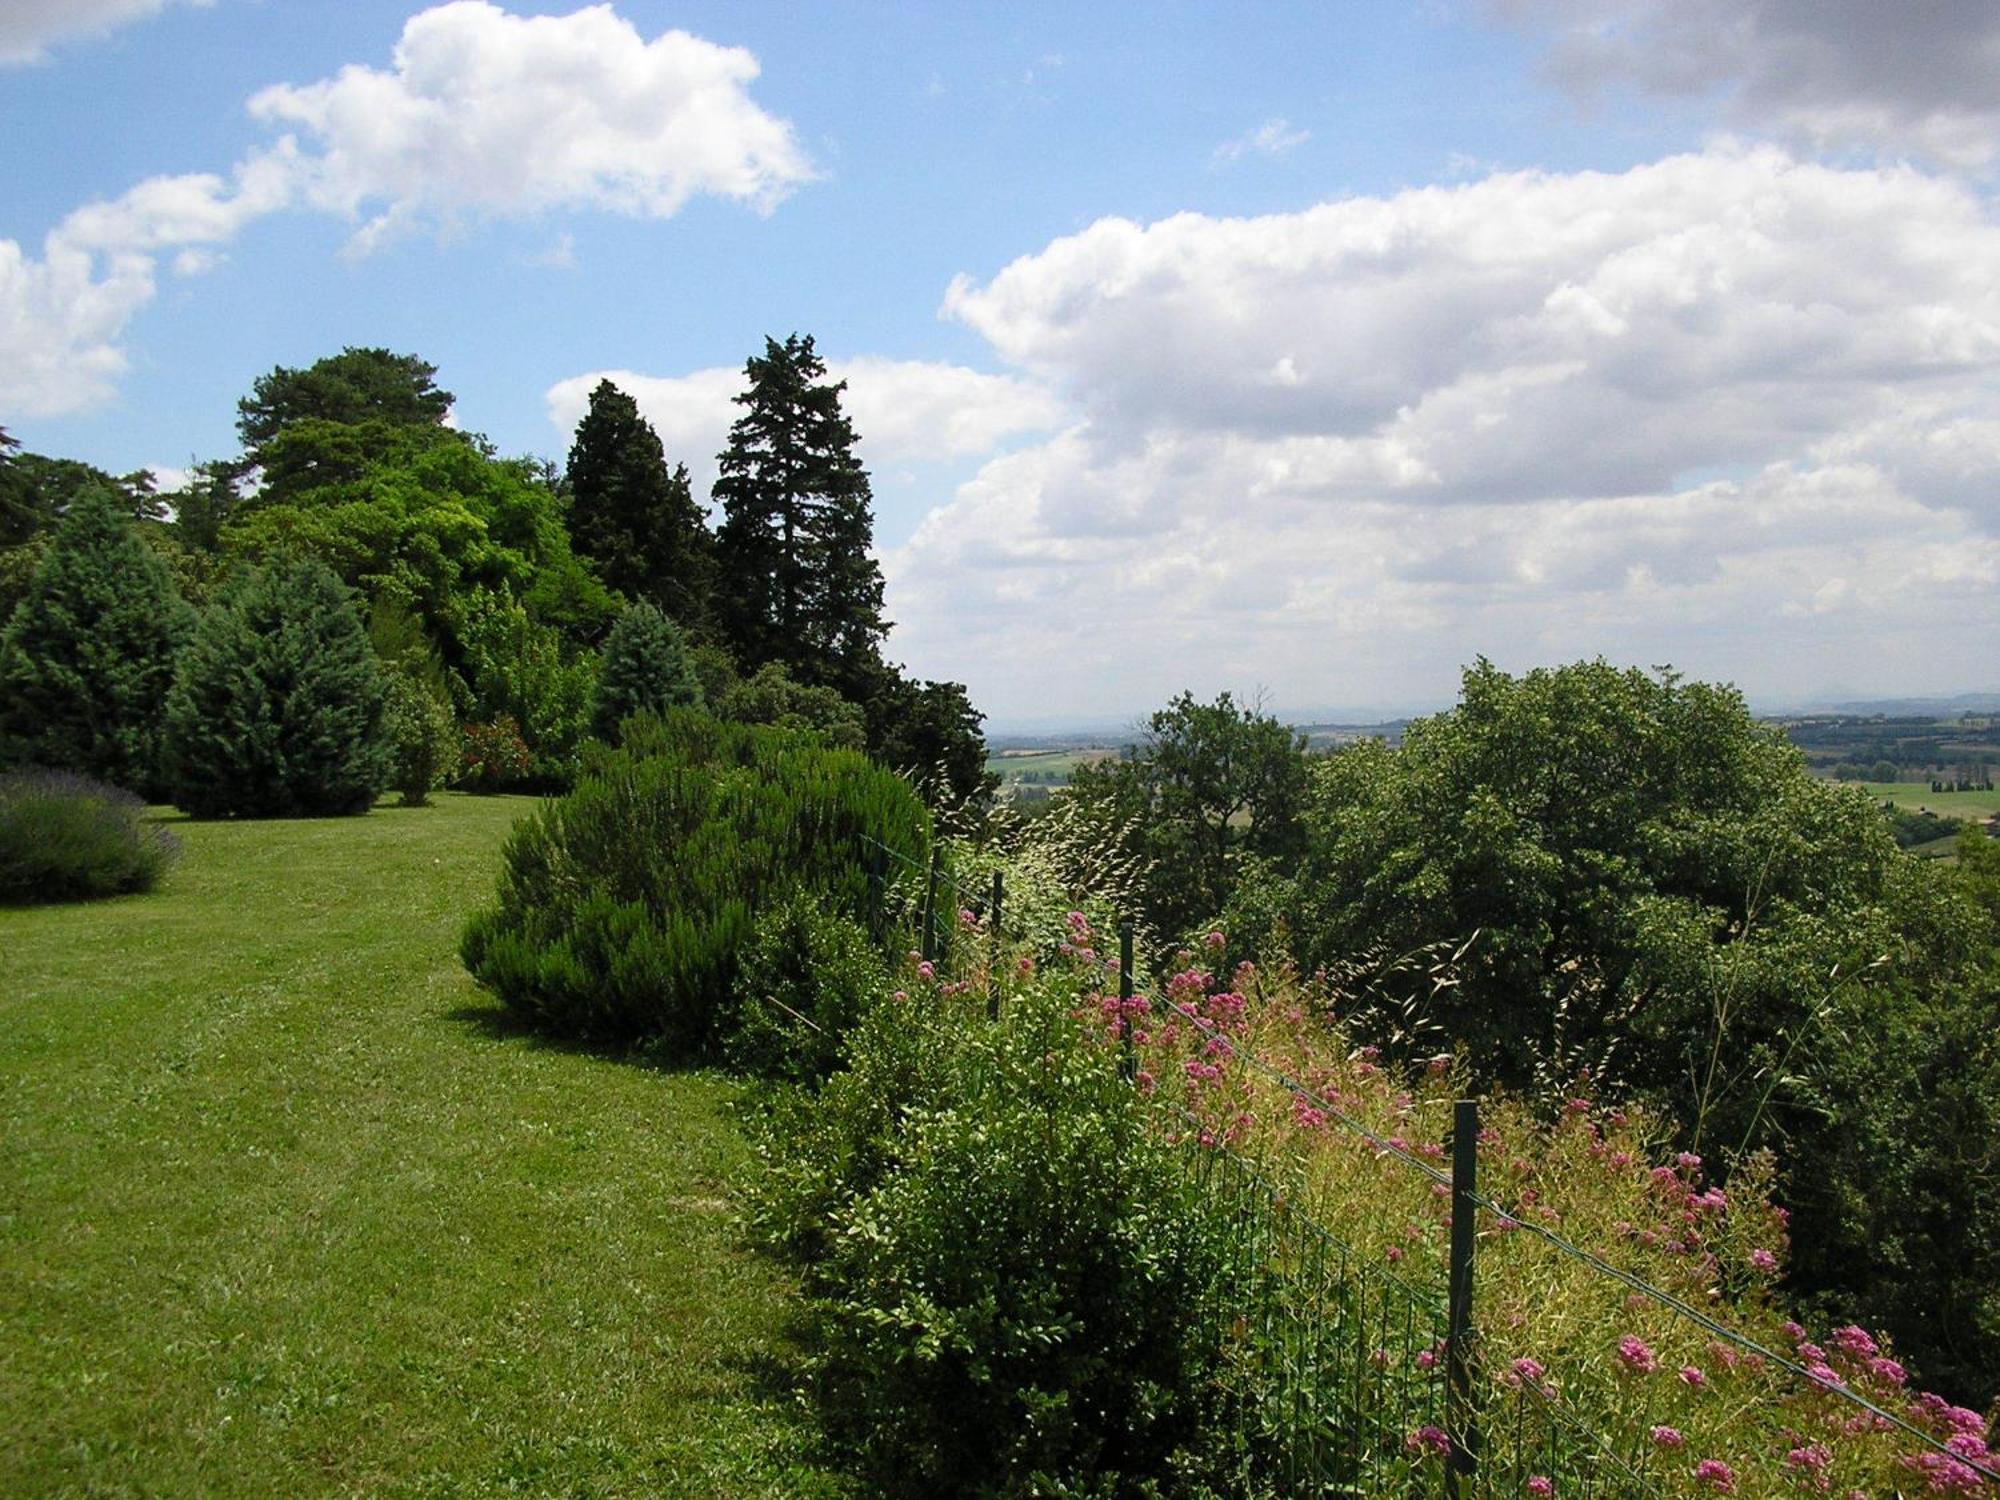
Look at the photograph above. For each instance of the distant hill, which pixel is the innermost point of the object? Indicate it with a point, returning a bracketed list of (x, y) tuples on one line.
[(1906, 708)]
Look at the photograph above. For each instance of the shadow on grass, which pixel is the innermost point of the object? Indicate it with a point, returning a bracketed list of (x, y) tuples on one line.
[(492, 1019)]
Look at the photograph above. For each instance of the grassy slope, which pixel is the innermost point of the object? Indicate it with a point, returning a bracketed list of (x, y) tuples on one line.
[(285, 1209)]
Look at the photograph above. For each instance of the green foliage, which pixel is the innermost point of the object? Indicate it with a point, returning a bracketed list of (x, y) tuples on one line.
[(423, 737), (646, 670), (350, 388), (494, 758), (278, 707), (633, 516), (806, 980), (88, 656), (1646, 885), (1209, 784), (1014, 1290), (930, 732), (64, 837), (771, 696), (624, 907), (795, 580), (520, 669)]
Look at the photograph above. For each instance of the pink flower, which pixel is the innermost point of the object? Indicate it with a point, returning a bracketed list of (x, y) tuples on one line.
[(1763, 1260), (1426, 1360), (1854, 1340), (1689, 1160), (1690, 1376), (1215, 940), (926, 970), (1428, 1439), (1884, 1368), (1529, 1369), (1813, 1459), (1668, 1437), (1540, 1486), (1717, 1475), (966, 918), (1637, 1357)]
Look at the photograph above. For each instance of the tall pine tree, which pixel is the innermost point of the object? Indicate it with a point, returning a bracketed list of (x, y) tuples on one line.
[(88, 657), (795, 582), (633, 516)]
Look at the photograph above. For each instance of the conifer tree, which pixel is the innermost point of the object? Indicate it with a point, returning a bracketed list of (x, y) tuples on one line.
[(795, 582), (633, 516), (647, 669), (88, 657), (278, 709)]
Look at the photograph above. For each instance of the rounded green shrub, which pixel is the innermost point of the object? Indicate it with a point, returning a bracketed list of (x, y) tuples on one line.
[(278, 709), (65, 837), (624, 907), (423, 737)]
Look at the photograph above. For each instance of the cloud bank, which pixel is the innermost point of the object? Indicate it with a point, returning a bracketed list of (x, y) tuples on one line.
[(1687, 409)]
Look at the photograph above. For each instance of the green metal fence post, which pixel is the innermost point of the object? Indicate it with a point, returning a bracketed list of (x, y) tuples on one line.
[(993, 972), (930, 942), (1461, 1417), (1128, 1061)]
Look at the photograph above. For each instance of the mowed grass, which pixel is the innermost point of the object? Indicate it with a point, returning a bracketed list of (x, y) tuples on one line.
[(286, 1208), (1917, 796)]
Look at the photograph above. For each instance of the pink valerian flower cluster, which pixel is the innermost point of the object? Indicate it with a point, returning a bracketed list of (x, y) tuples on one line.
[(1540, 1486), (1717, 1475), (1635, 1355), (1427, 1441)]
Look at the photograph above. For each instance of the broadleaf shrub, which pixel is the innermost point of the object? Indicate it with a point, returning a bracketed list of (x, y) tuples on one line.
[(624, 906), (1015, 1281), (805, 982), (493, 757), (65, 837)]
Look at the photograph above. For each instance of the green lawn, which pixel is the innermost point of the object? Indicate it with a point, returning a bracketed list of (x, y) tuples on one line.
[(285, 1208), (1917, 796)]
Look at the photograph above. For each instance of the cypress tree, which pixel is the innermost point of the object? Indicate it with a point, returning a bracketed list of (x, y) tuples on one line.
[(88, 657), (633, 516), (647, 669), (279, 707), (795, 582)]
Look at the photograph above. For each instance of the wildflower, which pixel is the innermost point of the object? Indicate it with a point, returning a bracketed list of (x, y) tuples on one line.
[(1763, 1260), (1961, 1419), (1426, 1360), (1146, 1081), (1716, 1474), (1884, 1368), (1529, 1369), (1634, 1354), (926, 970), (1215, 940), (1540, 1486), (1395, 1253), (1965, 1445), (914, 956), (1854, 1340), (966, 918), (1813, 1458), (1668, 1437), (1428, 1439), (1942, 1473), (900, 995), (1692, 1377), (1692, 1162)]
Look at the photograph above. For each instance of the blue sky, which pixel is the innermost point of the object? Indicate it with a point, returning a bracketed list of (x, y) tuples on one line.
[(1304, 349)]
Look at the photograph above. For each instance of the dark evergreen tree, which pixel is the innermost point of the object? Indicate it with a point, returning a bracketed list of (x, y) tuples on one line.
[(633, 516), (795, 582), (278, 708), (930, 732), (20, 514), (647, 669), (87, 659)]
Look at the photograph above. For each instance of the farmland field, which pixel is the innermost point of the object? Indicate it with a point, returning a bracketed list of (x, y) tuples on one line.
[(287, 1207), (1917, 796), (1044, 767)]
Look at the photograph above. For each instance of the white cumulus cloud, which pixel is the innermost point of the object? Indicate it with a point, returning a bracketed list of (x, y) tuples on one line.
[(482, 115), (487, 114)]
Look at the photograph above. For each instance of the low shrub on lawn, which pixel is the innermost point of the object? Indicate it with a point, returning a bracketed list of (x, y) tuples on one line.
[(65, 837), (624, 906)]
